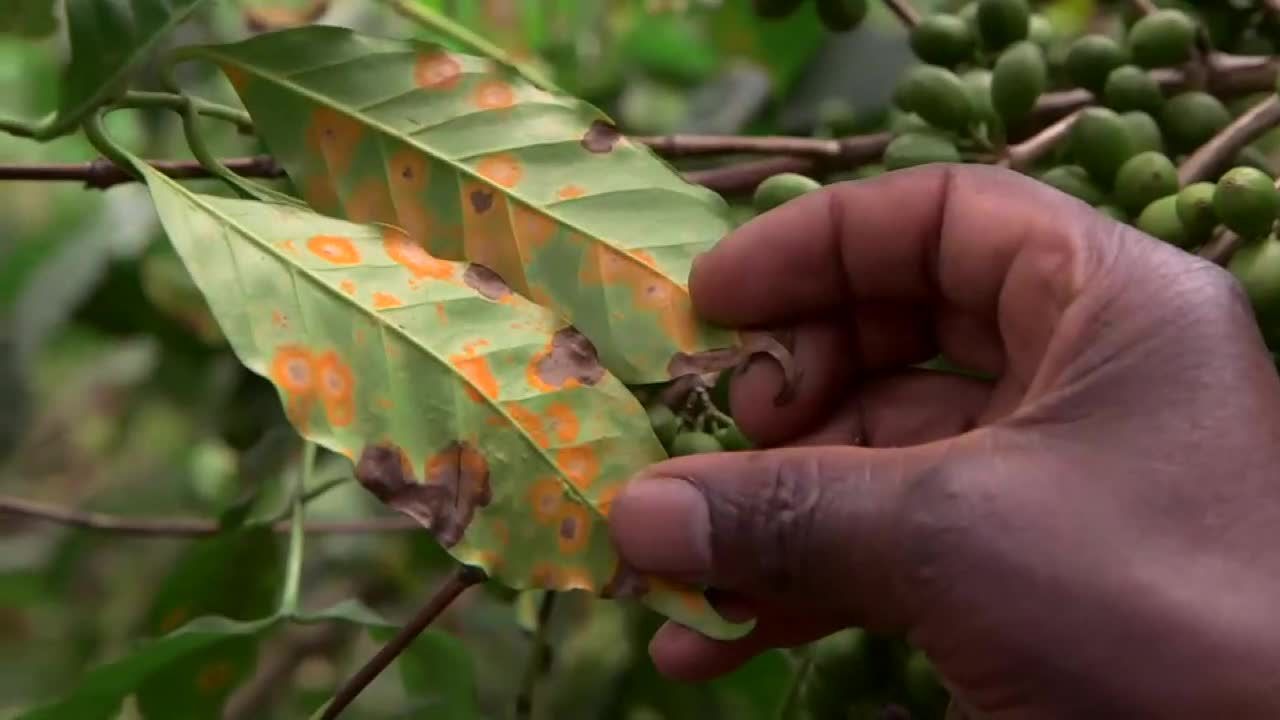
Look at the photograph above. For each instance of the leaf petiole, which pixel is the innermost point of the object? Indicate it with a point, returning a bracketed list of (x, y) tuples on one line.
[(297, 535)]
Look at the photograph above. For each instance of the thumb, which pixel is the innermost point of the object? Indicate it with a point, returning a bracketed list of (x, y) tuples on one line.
[(819, 527)]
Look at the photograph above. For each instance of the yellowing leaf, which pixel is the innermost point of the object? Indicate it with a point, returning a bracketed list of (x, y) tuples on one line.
[(465, 406), (475, 163)]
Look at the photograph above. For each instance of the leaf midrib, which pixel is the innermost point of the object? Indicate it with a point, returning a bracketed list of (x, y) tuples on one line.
[(385, 325), (289, 84)]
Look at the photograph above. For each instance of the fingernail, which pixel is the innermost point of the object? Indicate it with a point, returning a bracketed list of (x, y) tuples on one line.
[(662, 526)]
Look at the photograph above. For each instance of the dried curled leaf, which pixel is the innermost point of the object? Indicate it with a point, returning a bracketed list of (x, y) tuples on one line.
[(477, 164), (464, 405)]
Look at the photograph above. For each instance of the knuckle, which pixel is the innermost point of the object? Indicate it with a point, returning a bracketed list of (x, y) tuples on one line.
[(765, 523)]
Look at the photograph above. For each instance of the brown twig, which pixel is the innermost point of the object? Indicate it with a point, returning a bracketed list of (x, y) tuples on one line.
[(462, 578), (539, 658), (1025, 153), (101, 174), (1220, 249), (1232, 75), (905, 11), (182, 527), (1216, 154)]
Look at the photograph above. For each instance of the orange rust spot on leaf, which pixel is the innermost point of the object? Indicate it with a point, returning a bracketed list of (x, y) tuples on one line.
[(573, 528), (369, 203), (289, 246), (530, 423), (441, 314), (334, 136), (436, 71), (570, 192), (384, 403), (408, 170), (349, 454), (534, 229), (693, 600), (236, 75), (337, 389), (563, 422), (384, 301), (291, 370), (406, 252), (334, 249), (574, 578), (347, 287), (318, 191), (545, 497), (503, 169), (477, 371), (650, 291), (279, 319), (215, 677), (500, 532), (543, 576), (298, 410), (580, 464), (493, 95), (605, 501)]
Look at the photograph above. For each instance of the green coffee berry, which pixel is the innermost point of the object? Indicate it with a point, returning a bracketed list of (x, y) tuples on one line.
[(942, 40), (694, 443), (780, 189), (913, 149), (1195, 210), (1160, 220), (978, 83), (935, 94), (837, 117), (1257, 268), (1091, 59), (1100, 143), (1143, 178), (664, 422), (1129, 87), (841, 15), (1002, 22), (776, 9), (732, 439), (1017, 81), (1247, 202), (1073, 180), (1041, 31), (1163, 38), (1144, 131), (1191, 118)]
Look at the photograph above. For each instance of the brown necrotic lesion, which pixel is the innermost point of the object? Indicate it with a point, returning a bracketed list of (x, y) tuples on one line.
[(456, 485)]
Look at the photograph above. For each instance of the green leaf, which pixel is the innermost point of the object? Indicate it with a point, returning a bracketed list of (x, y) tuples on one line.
[(470, 409), (109, 38), (477, 164), (100, 693), (236, 576)]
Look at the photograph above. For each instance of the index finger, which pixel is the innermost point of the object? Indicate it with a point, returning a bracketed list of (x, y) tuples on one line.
[(970, 245)]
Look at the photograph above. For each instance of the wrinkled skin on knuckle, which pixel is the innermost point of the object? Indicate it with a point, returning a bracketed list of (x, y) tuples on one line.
[(767, 520)]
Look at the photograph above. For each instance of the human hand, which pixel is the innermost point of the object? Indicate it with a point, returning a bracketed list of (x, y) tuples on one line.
[(1095, 534)]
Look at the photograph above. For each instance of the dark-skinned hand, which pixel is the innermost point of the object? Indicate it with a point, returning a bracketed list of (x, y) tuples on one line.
[(1094, 534)]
